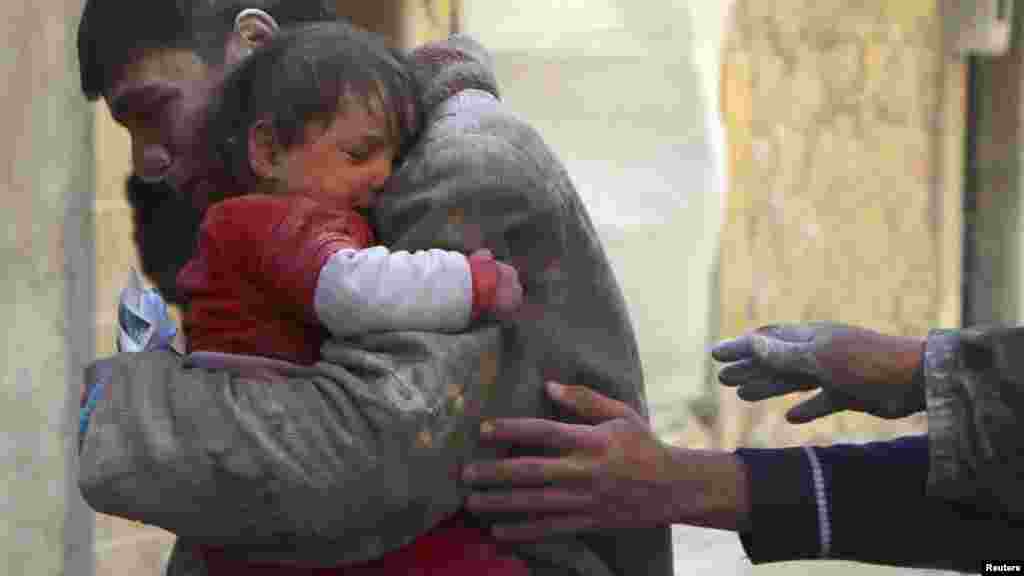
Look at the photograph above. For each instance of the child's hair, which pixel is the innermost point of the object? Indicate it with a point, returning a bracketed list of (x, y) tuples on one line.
[(308, 74)]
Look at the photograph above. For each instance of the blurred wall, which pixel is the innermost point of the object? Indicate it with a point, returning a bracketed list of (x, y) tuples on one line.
[(995, 273), (614, 88), (46, 302), (845, 125)]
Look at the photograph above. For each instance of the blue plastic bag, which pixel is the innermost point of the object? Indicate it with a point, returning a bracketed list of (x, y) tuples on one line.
[(143, 324)]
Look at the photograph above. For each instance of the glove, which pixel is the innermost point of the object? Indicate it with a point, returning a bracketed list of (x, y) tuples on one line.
[(856, 369)]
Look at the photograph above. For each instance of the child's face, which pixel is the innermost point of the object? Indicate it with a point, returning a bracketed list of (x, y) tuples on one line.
[(345, 163)]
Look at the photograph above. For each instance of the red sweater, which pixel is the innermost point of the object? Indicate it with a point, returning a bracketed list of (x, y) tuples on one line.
[(250, 291)]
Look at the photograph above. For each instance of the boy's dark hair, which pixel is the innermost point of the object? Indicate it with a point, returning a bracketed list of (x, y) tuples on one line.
[(308, 74), (113, 31)]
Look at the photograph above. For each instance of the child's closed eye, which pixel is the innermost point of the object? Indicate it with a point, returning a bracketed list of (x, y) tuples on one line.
[(358, 154)]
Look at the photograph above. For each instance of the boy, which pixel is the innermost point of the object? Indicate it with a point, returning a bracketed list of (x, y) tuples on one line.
[(309, 127)]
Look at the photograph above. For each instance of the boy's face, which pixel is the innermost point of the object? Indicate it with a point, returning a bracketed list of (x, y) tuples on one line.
[(345, 163)]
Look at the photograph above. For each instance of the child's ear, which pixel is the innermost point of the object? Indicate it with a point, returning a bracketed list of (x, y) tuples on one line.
[(263, 150)]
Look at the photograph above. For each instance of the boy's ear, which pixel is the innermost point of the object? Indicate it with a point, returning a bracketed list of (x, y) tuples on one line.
[(253, 28), (263, 150)]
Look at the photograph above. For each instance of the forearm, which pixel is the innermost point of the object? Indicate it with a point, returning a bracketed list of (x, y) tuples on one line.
[(378, 290), (722, 493)]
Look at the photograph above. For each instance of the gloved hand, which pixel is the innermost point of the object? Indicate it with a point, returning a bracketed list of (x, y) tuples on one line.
[(496, 285), (856, 369)]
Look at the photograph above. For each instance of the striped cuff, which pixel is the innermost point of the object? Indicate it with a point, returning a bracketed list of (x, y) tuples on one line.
[(821, 499)]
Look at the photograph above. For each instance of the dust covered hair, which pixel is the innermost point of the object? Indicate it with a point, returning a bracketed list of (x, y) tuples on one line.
[(306, 75)]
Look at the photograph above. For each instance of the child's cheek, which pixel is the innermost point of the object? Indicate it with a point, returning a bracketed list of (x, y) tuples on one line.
[(316, 176)]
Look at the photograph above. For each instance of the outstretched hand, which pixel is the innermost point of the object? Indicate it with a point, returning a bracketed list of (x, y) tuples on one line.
[(856, 369), (612, 473)]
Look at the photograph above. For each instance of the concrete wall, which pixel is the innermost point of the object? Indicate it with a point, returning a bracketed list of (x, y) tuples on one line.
[(845, 132), (45, 300)]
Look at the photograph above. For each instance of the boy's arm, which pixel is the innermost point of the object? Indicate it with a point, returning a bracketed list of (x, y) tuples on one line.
[(313, 261), (377, 290)]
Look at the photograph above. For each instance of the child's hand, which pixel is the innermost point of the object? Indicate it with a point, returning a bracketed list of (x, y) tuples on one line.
[(509, 293), (497, 287)]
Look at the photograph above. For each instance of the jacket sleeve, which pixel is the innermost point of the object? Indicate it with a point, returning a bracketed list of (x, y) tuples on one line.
[(975, 399), (872, 508)]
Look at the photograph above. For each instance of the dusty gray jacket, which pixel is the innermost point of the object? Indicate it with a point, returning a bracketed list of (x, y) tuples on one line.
[(359, 454), (975, 401)]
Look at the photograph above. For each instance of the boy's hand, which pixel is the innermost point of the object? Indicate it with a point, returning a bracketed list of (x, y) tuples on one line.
[(509, 293), (496, 285)]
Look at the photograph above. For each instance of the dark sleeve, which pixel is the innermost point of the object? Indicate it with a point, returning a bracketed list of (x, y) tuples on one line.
[(877, 510), (783, 514)]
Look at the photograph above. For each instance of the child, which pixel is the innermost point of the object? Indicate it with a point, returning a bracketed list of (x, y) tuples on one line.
[(308, 129)]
